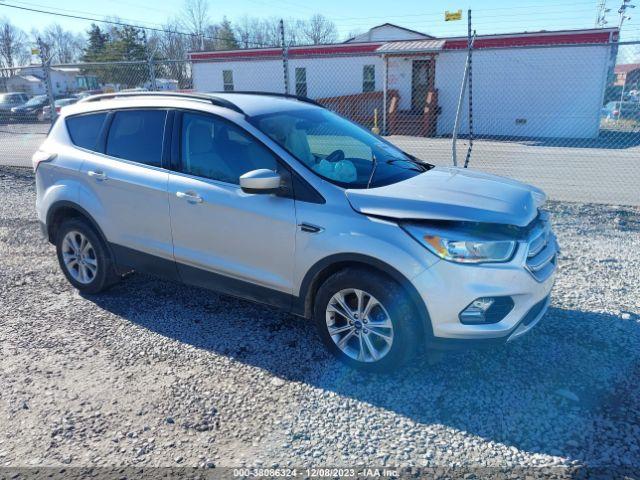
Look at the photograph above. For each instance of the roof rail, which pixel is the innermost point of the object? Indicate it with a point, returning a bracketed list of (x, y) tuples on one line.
[(276, 94), (219, 102)]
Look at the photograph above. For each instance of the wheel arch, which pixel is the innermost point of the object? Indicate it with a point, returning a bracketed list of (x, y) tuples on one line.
[(326, 267), (64, 209)]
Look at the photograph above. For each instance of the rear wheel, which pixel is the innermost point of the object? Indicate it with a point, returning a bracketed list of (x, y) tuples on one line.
[(83, 257), (367, 320)]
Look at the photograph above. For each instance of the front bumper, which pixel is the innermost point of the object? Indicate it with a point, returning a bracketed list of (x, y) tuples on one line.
[(447, 288)]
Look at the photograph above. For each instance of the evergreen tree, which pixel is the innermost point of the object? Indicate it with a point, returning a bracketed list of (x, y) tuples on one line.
[(94, 51), (226, 37), (128, 44)]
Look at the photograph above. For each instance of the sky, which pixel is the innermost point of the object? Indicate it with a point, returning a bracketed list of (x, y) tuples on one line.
[(489, 16)]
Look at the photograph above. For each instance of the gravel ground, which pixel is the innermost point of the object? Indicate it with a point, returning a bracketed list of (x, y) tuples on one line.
[(157, 374)]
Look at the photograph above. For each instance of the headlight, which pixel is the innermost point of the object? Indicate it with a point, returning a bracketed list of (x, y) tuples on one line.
[(461, 249)]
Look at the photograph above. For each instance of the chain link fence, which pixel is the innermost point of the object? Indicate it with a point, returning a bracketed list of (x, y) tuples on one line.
[(564, 117)]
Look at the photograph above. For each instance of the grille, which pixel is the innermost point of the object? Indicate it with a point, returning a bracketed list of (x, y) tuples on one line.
[(542, 251)]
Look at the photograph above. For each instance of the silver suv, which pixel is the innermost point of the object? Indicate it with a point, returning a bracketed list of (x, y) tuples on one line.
[(275, 199)]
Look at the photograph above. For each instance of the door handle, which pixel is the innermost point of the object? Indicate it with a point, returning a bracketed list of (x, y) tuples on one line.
[(310, 228), (189, 197), (97, 175)]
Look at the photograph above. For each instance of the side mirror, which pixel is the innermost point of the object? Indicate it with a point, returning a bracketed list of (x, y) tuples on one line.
[(260, 181)]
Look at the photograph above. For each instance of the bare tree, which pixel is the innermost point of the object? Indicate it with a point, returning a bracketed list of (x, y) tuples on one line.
[(319, 29), (252, 32), (64, 46), (13, 45), (173, 46), (195, 19)]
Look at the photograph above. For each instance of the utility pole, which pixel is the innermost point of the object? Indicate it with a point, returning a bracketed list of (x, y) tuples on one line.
[(150, 64), (285, 58), (470, 39), (601, 17), (463, 87), (623, 12), (46, 65)]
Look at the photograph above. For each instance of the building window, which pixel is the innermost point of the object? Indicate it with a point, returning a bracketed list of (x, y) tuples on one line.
[(227, 80), (368, 78), (301, 82)]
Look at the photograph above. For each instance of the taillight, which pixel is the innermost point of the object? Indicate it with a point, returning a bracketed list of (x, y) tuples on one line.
[(616, 112), (58, 109), (41, 156)]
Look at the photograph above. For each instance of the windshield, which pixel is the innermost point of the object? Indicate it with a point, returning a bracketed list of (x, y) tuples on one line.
[(36, 101), (338, 150)]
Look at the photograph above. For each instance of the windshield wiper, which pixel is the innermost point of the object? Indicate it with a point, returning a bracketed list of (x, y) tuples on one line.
[(423, 167), (418, 161)]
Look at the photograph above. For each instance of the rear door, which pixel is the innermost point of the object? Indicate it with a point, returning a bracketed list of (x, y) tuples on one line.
[(225, 239), (127, 188)]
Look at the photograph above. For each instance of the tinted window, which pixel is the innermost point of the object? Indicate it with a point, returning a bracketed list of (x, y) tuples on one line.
[(215, 149), (84, 129), (136, 135)]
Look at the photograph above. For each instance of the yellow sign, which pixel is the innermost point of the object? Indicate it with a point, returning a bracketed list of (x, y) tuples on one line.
[(451, 16), (35, 51)]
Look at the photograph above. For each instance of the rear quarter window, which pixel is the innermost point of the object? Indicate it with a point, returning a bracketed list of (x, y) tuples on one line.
[(136, 135), (85, 129)]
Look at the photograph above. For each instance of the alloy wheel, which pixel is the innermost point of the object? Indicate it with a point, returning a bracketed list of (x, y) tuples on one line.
[(359, 325), (79, 257)]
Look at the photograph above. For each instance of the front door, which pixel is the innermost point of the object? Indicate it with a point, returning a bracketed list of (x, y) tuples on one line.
[(239, 243), (419, 84)]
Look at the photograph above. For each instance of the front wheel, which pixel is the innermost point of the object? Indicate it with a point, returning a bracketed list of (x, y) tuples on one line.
[(367, 320)]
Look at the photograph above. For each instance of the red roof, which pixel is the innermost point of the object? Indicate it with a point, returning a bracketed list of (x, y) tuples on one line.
[(626, 67), (576, 37), (334, 49)]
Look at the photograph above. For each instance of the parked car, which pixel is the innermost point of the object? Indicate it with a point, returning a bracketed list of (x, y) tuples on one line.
[(31, 110), (9, 101), (63, 102), (277, 200), (621, 111)]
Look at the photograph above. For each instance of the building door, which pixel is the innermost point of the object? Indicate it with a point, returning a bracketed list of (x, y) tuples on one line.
[(420, 84)]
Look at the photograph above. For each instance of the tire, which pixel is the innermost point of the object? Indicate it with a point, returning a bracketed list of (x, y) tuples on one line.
[(93, 271), (391, 305)]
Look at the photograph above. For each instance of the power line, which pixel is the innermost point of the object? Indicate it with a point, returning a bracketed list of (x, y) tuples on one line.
[(124, 24), (74, 11), (440, 14), (486, 19)]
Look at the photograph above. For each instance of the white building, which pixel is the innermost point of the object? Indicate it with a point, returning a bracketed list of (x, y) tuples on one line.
[(31, 80), (542, 84)]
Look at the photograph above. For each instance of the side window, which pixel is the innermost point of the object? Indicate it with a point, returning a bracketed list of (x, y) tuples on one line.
[(215, 149), (301, 82), (227, 80), (84, 129), (136, 135), (368, 78)]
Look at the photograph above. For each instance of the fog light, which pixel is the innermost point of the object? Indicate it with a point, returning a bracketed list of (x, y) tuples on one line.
[(486, 310)]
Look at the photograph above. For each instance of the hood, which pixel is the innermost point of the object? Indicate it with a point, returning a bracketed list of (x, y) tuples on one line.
[(454, 194)]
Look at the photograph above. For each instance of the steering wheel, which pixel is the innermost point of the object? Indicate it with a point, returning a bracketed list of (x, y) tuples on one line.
[(335, 156)]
